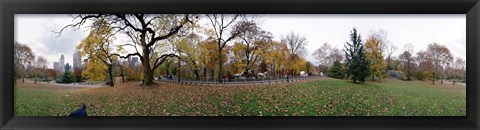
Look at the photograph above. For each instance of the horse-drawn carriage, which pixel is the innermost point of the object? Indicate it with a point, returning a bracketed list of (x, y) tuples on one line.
[(249, 74)]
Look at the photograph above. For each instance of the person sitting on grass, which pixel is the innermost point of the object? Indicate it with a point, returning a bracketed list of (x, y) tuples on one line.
[(82, 112)]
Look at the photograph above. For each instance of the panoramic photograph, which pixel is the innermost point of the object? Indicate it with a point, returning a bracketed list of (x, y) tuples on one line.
[(240, 65)]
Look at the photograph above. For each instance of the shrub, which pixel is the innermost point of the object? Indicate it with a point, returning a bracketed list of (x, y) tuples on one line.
[(336, 71)]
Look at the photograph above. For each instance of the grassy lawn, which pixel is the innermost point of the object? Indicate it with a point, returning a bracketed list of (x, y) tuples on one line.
[(324, 97)]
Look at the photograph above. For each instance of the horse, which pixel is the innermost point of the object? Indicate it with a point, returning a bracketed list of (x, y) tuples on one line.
[(262, 74), (303, 74), (239, 75)]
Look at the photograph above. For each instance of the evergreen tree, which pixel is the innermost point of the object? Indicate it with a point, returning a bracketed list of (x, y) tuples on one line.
[(68, 76), (336, 71), (358, 67)]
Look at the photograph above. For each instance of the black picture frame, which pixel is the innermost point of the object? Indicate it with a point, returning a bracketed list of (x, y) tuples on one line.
[(10, 7)]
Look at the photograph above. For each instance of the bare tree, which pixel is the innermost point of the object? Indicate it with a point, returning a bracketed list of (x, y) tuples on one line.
[(389, 50), (322, 53), (39, 68), (387, 47), (460, 67), (407, 59), (441, 57), (326, 55), (23, 56), (425, 63), (296, 45), (409, 48), (381, 35)]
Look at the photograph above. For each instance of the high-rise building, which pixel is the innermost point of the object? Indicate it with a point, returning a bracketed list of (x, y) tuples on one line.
[(77, 61), (133, 61), (62, 64), (56, 66), (84, 65)]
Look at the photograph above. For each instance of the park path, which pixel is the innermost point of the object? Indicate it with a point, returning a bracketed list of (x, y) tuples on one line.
[(76, 85), (80, 85)]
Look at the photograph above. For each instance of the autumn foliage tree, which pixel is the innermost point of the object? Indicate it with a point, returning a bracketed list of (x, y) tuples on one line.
[(252, 43), (358, 67), (98, 48), (225, 28), (276, 55), (145, 31), (53, 74), (374, 54), (191, 56), (95, 69), (387, 47), (209, 56)]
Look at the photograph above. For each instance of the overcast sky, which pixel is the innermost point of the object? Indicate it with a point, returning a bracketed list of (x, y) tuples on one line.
[(36, 30)]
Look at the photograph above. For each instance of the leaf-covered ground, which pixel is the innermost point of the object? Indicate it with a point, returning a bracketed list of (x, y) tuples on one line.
[(324, 97)]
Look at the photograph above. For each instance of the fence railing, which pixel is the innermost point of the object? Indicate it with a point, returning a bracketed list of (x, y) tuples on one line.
[(236, 81)]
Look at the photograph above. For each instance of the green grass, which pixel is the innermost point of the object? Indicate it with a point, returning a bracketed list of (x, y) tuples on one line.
[(324, 97)]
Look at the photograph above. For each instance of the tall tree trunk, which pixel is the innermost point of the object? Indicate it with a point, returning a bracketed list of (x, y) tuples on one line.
[(212, 73), (23, 79), (123, 76), (205, 72), (272, 71), (291, 72), (220, 69), (388, 63), (178, 70), (408, 70), (197, 76), (111, 75), (147, 72), (168, 68), (433, 78)]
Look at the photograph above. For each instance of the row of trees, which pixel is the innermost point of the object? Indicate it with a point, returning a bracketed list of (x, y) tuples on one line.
[(27, 65), (173, 43), (373, 60)]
